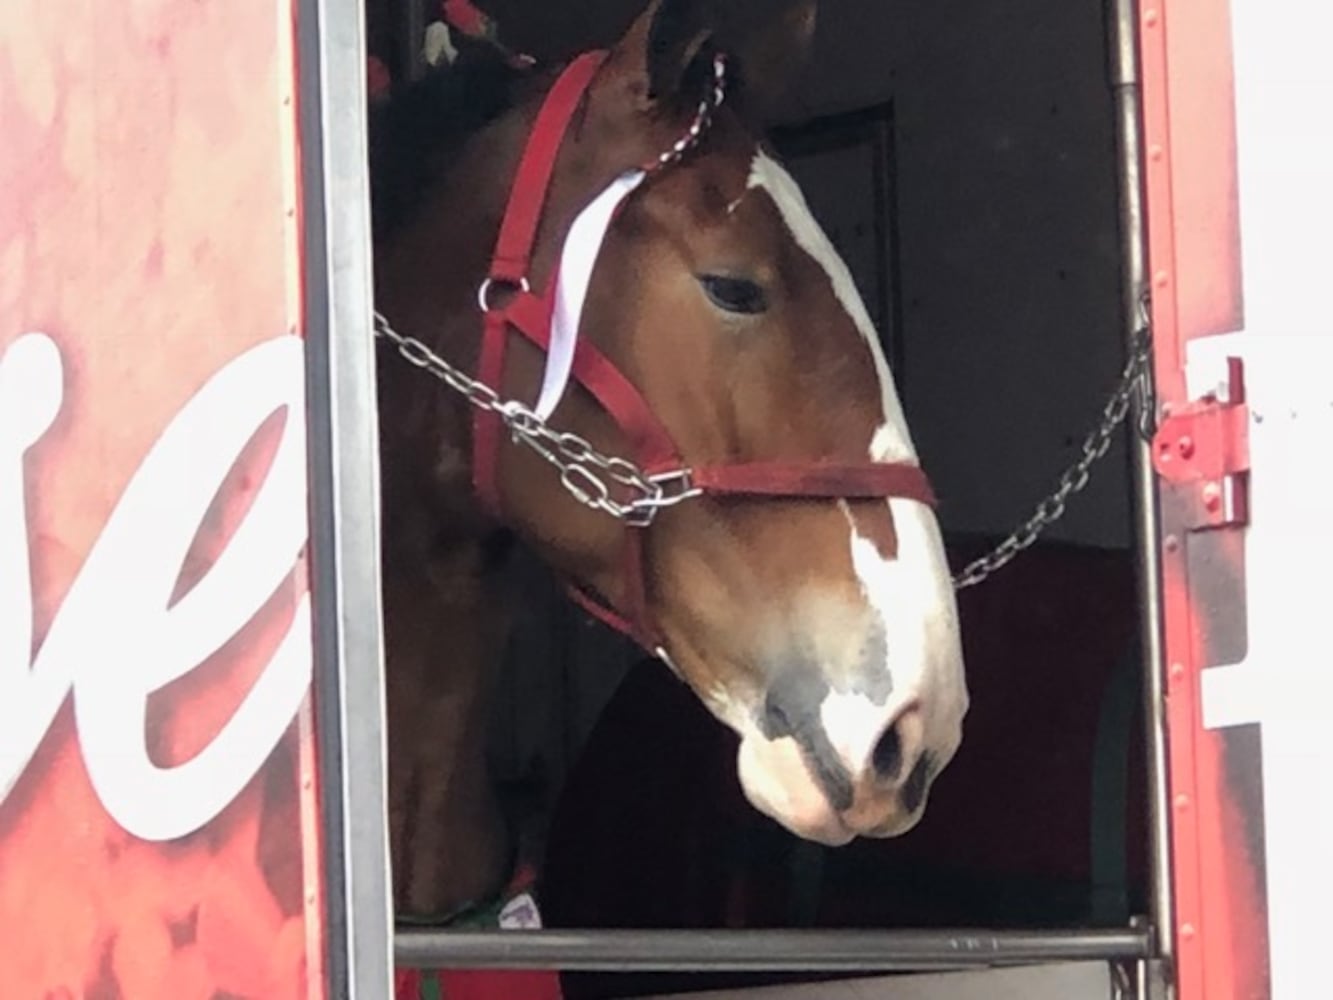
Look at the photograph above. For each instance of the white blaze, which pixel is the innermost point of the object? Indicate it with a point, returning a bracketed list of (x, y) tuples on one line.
[(913, 593), (892, 442)]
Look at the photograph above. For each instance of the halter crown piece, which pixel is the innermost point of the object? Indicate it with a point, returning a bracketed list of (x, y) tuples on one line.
[(549, 319)]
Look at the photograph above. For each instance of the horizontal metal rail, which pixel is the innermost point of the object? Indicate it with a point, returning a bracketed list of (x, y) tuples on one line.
[(762, 950)]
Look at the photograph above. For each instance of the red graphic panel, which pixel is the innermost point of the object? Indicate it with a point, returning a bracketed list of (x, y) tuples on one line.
[(158, 825)]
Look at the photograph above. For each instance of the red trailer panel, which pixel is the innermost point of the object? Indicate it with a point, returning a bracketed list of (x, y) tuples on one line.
[(1239, 211), (159, 830)]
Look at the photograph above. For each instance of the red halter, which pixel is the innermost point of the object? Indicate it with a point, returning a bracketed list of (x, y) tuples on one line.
[(652, 447)]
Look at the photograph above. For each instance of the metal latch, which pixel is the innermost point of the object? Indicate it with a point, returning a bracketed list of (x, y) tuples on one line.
[(1205, 447)]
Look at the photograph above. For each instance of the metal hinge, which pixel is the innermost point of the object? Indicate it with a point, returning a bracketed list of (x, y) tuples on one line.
[(1204, 447)]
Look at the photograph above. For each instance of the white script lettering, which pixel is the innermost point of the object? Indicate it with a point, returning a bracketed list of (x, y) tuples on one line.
[(114, 640)]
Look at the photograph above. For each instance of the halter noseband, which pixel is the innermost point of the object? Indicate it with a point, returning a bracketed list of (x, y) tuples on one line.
[(530, 313)]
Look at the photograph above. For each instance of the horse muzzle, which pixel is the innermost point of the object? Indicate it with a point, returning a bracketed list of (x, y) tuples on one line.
[(851, 769)]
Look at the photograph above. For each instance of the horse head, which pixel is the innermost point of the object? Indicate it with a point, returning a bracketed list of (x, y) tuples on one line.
[(819, 626)]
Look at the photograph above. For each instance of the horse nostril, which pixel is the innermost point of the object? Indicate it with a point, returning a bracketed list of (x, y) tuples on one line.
[(914, 789), (887, 758)]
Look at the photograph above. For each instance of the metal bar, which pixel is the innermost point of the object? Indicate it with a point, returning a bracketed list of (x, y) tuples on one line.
[(762, 950), (1129, 131), (344, 485), (412, 39)]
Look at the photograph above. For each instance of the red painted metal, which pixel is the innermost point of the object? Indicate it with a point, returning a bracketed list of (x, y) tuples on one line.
[(1220, 925), (1204, 445), (149, 243), (1203, 442)]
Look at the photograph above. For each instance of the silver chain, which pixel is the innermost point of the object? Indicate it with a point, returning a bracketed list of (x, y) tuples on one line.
[(703, 116), (590, 476), (1133, 381)]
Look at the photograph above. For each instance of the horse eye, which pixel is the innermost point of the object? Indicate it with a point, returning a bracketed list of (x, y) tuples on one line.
[(735, 295)]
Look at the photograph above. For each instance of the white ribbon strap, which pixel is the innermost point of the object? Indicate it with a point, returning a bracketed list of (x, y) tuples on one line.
[(576, 263)]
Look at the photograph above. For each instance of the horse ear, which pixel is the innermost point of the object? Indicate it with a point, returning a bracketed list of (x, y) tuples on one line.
[(769, 42), (766, 42), (671, 34)]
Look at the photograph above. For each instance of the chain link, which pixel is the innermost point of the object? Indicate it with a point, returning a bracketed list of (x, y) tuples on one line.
[(703, 116), (590, 476), (1133, 382)]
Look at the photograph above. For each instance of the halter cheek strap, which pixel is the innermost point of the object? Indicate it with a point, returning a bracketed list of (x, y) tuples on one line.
[(513, 253), (549, 320)]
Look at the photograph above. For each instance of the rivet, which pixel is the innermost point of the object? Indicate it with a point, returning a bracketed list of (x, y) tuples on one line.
[(1185, 446), (1155, 152), (1258, 417), (1171, 543), (1177, 671), (1187, 931), (1182, 802), (1212, 496), (1150, 18), (1161, 279)]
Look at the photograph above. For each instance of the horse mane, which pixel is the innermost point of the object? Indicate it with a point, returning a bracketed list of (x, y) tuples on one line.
[(415, 134)]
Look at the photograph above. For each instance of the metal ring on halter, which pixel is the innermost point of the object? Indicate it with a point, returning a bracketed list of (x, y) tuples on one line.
[(484, 291)]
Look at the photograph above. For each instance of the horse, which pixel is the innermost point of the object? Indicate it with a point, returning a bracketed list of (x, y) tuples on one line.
[(722, 470)]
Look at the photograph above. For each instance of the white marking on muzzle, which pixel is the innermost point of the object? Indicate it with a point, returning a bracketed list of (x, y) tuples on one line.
[(912, 593), (854, 724)]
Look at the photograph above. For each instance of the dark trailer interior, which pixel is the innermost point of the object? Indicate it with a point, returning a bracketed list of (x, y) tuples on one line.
[(963, 158)]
